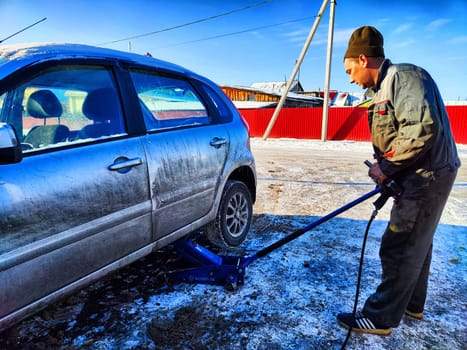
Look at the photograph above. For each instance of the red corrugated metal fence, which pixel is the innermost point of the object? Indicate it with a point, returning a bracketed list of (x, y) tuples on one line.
[(344, 123)]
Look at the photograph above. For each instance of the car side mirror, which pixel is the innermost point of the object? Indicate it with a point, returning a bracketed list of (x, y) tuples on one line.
[(10, 148)]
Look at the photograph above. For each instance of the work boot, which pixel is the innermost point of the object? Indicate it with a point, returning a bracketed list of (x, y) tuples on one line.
[(361, 323), (417, 315)]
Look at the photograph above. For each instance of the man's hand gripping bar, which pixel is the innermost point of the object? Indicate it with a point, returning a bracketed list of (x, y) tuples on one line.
[(389, 188)]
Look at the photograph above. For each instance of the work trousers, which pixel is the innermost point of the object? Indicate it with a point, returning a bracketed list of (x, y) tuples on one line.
[(406, 248)]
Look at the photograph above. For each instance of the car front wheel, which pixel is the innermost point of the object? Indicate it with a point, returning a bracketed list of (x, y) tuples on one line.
[(233, 217)]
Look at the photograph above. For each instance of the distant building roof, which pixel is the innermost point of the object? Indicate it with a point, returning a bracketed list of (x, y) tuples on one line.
[(261, 97)]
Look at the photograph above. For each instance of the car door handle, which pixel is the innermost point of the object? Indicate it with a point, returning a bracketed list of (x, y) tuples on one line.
[(123, 163), (217, 142)]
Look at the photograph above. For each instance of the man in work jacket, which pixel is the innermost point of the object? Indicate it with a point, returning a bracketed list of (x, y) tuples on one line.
[(413, 146)]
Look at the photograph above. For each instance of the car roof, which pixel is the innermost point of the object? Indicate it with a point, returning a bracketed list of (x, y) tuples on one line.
[(14, 57)]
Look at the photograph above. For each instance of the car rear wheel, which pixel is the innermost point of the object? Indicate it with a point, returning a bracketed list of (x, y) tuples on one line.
[(233, 217)]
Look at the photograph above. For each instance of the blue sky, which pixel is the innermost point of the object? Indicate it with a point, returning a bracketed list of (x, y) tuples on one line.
[(251, 41)]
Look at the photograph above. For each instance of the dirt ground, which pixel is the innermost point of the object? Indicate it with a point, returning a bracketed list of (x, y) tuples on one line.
[(290, 297), (305, 170)]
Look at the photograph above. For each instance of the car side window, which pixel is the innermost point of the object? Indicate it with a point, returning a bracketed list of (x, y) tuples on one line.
[(62, 105), (168, 102)]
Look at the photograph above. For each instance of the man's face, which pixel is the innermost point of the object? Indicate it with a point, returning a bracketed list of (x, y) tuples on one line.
[(357, 70)]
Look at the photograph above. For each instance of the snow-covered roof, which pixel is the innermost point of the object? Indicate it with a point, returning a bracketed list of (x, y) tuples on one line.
[(277, 86), (254, 104), (455, 102), (13, 57)]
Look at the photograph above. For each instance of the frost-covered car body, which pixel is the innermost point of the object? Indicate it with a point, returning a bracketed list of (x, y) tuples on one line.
[(105, 157)]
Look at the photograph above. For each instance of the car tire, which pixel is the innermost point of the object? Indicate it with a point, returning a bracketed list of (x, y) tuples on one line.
[(233, 218)]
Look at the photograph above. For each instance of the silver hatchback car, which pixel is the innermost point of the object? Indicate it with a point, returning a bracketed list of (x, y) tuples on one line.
[(105, 157)]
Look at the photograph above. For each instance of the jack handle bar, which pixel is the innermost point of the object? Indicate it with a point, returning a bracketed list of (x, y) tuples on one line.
[(312, 225)]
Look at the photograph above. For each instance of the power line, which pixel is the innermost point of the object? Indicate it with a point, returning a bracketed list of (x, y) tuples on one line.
[(189, 23), (240, 32), (22, 30)]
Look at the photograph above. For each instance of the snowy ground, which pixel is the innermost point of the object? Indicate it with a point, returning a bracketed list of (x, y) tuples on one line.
[(291, 297)]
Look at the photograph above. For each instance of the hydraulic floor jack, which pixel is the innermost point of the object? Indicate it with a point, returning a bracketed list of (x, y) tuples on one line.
[(210, 268)]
